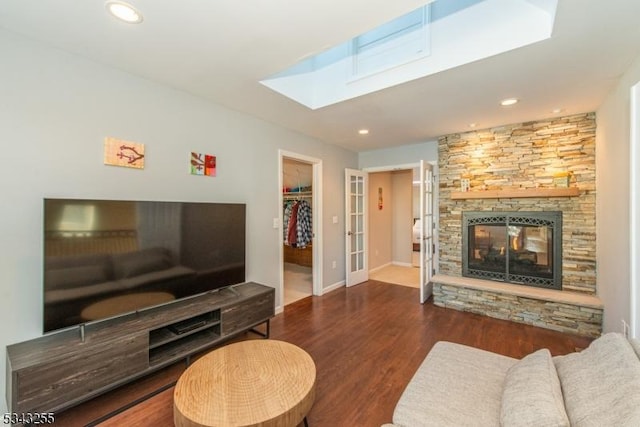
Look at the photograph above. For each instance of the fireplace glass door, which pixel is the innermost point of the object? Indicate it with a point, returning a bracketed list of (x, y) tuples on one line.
[(518, 247)]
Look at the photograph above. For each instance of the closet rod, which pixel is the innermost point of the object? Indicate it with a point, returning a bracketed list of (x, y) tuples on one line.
[(293, 196)]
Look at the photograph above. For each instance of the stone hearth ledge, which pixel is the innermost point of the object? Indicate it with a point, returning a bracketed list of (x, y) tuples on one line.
[(564, 311)]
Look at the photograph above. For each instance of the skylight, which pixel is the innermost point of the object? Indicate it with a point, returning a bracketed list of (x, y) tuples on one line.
[(438, 36), (395, 43)]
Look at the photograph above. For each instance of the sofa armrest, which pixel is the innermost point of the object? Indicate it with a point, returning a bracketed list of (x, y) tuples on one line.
[(455, 385), (601, 384)]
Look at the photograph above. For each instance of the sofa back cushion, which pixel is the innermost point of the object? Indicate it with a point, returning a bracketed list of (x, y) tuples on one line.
[(601, 384), (532, 395)]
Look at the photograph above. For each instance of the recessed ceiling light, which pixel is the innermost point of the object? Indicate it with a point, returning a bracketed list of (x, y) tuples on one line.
[(363, 131), (472, 125), (508, 101), (556, 110), (124, 11)]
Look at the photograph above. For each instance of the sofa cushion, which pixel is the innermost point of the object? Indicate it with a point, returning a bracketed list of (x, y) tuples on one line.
[(532, 395), (601, 384), (455, 385)]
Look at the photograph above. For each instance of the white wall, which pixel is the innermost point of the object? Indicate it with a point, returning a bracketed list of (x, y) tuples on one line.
[(380, 220), (402, 200), (612, 201), (390, 228), (404, 155), (55, 110)]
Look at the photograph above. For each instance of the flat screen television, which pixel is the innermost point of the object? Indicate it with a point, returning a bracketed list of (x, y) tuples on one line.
[(104, 258)]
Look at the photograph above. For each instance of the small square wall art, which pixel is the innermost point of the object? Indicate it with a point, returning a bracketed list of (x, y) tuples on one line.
[(118, 152), (202, 164)]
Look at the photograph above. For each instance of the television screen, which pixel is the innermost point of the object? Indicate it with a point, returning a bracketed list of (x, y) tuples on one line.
[(103, 258)]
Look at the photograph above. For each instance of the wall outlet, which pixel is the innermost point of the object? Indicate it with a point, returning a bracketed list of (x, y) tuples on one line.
[(333, 264), (625, 328), (276, 222)]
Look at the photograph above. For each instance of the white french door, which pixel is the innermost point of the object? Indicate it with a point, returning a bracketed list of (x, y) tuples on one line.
[(356, 227), (426, 230)]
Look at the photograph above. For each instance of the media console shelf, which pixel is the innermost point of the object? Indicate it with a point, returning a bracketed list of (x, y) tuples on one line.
[(168, 341), (60, 370)]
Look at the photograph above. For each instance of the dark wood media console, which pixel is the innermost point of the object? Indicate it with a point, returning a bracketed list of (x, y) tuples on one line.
[(57, 371)]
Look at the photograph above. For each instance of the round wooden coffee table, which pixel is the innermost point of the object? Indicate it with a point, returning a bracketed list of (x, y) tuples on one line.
[(250, 383)]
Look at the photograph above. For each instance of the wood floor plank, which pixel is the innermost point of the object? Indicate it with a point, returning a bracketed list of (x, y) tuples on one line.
[(367, 341)]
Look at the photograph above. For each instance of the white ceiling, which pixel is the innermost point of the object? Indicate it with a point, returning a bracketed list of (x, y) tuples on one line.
[(221, 49)]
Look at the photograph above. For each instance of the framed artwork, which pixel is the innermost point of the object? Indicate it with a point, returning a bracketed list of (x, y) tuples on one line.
[(202, 164), (118, 152)]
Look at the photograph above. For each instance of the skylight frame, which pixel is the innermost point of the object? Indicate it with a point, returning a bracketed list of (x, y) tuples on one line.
[(396, 45)]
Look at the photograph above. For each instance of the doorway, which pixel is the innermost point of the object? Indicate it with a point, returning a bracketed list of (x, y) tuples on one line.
[(402, 240), (392, 215), (300, 247)]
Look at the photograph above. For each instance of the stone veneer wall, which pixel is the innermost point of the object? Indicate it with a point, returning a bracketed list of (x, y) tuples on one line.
[(524, 155), (558, 316)]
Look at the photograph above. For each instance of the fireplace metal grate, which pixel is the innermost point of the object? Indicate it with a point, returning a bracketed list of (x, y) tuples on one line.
[(516, 247)]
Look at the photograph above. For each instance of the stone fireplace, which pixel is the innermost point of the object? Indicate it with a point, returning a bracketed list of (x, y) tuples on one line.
[(516, 247), (487, 180)]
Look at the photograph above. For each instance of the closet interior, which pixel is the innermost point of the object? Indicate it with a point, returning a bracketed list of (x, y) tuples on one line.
[(297, 196)]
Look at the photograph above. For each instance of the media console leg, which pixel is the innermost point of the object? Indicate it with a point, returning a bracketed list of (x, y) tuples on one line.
[(265, 334)]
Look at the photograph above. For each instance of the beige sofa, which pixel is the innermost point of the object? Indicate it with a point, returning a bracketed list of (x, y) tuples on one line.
[(458, 385)]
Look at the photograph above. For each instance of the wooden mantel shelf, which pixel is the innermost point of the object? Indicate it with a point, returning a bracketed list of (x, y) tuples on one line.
[(515, 193)]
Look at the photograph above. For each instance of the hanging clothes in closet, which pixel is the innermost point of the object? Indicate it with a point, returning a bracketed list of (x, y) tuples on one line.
[(297, 228)]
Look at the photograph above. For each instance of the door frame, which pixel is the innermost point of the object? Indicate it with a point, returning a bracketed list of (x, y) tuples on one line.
[(316, 219), (436, 197)]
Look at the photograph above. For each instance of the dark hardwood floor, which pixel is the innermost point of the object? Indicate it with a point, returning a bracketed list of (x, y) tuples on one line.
[(367, 341)]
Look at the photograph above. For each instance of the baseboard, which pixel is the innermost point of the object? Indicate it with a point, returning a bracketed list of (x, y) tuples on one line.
[(402, 264), (333, 287), (337, 285), (373, 270)]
